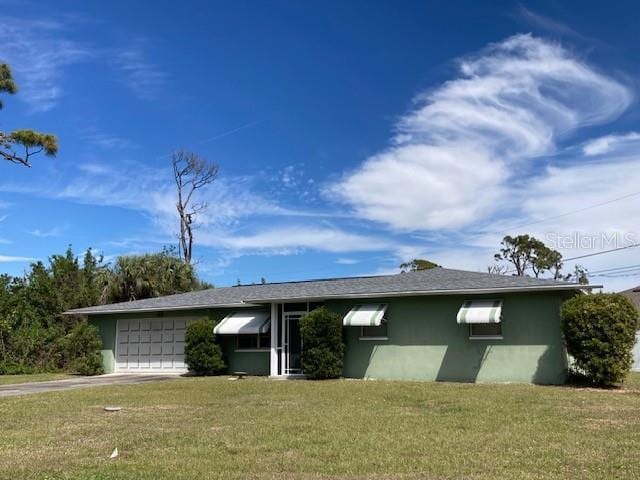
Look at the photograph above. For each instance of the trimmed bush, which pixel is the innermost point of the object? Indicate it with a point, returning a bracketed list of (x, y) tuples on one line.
[(599, 331), (82, 348), (202, 354), (322, 344)]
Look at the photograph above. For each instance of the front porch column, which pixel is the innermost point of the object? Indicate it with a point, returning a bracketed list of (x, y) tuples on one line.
[(273, 357)]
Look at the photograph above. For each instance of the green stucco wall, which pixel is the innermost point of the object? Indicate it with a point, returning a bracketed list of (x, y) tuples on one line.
[(107, 330), (426, 343), (254, 363)]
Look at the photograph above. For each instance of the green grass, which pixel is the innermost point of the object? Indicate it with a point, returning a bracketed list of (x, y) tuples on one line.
[(196, 428), (36, 377)]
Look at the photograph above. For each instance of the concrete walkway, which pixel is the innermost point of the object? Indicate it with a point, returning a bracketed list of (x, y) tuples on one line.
[(80, 382)]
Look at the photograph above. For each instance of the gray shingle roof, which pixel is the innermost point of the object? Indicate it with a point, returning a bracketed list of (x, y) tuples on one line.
[(425, 282), (634, 295)]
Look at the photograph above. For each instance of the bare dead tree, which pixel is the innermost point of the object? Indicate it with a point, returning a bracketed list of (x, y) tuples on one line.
[(191, 173)]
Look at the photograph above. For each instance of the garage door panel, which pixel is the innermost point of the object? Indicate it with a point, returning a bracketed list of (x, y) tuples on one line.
[(153, 344), (178, 361)]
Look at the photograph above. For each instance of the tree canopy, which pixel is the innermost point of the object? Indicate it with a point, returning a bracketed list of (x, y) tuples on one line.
[(35, 335), (417, 264), (30, 142)]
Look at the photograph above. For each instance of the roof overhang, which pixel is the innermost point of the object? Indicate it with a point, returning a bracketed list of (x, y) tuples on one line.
[(257, 302), (158, 309), (421, 293)]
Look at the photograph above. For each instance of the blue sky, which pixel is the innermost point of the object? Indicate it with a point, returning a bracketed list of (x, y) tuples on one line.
[(351, 136)]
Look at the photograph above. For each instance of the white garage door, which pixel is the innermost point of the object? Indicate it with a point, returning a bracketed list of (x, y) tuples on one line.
[(151, 345)]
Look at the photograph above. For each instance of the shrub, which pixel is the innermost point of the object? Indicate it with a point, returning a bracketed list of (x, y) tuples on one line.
[(202, 354), (322, 344), (82, 350), (599, 332)]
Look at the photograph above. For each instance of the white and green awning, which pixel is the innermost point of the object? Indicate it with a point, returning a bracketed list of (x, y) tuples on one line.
[(365, 315), (244, 323), (480, 311)]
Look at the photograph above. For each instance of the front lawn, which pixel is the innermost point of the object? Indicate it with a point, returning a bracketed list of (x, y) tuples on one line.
[(36, 377), (196, 428)]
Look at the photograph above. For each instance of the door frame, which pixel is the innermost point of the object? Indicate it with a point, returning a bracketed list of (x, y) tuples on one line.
[(285, 353)]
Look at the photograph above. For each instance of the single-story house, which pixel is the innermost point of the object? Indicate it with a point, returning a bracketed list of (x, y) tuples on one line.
[(437, 324), (633, 294)]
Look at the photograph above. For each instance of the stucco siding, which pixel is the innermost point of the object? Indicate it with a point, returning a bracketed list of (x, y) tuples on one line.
[(254, 363), (426, 343), (107, 331)]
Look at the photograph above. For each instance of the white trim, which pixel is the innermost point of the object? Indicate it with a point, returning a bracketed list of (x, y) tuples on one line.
[(484, 337), (373, 338), (273, 358), (284, 353)]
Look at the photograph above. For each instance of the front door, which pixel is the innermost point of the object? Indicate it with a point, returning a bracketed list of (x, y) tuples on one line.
[(292, 343)]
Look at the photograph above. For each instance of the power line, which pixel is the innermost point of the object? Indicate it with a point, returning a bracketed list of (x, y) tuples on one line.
[(602, 252), (616, 269), (580, 210)]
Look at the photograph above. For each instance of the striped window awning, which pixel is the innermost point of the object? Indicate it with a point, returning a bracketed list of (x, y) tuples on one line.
[(480, 311), (244, 323), (365, 315)]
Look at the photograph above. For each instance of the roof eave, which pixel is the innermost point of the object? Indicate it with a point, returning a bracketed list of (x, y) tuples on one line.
[(84, 311), (256, 302), (419, 293)]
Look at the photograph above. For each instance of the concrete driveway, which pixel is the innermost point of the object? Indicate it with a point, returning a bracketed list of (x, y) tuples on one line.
[(80, 382)]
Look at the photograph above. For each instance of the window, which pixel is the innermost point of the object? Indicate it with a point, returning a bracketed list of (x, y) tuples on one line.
[(254, 342), (485, 330), (374, 333)]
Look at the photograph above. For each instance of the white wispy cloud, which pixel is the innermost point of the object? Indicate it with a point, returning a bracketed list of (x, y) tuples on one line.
[(38, 51), (53, 232), (456, 153), (609, 143), (291, 239), (547, 23), (347, 261), (138, 72), (106, 140), (11, 259)]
